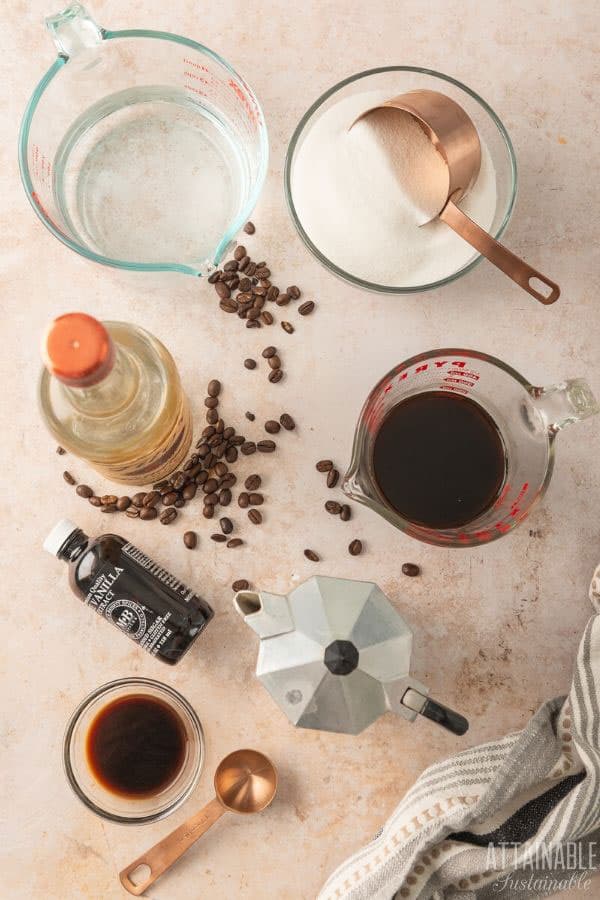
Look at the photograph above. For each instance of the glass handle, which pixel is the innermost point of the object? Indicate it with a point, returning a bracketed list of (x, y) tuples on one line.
[(565, 403), (437, 712), (73, 30)]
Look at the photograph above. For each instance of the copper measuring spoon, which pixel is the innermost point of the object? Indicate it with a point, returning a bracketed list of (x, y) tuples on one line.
[(245, 782), (455, 137)]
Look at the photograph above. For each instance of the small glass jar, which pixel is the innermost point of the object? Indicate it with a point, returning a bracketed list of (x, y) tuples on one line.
[(112, 806)]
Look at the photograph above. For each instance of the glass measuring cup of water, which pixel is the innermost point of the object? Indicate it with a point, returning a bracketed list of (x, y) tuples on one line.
[(141, 149), (525, 421)]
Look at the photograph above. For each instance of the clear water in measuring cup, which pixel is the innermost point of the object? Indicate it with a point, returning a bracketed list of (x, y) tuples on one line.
[(149, 175)]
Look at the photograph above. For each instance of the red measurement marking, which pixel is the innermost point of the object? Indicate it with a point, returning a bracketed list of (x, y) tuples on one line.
[(245, 100), (196, 65), (196, 77), (449, 380), (194, 90)]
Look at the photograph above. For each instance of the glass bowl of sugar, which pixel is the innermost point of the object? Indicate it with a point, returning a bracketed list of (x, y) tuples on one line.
[(347, 198)]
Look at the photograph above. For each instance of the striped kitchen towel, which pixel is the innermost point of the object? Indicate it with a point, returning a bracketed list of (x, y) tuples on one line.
[(514, 818)]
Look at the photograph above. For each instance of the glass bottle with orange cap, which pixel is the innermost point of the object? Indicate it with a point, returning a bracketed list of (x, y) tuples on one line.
[(110, 393)]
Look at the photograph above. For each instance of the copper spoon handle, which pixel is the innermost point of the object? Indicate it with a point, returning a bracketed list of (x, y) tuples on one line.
[(162, 856), (510, 264)]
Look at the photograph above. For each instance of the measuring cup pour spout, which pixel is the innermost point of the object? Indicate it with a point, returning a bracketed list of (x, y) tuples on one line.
[(565, 403), (73, 30)]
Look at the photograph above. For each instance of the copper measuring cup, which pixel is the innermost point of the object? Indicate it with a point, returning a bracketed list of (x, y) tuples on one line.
[(455, 137), (245, 782)]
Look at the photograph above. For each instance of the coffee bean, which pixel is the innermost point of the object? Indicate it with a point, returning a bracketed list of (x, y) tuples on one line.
[(306, 308), (254, 516), (228, 433), (245, 283), (332, 478), (275, 375), (272, 427), (222, 290), (250, 416), (355, 547), (228, 481), (60, 450), (333, 507), (179, 503), (210, 486), (240, 585), (310, 554), (179, 480), (190, 539), (266, 318), (274, 362), (239, 252), (253, 314), (251, 269), (220, 426), (69, 478), (253, 482), (243, 265), (249, 228), (201, 477), (263, 272), (253, 323), (231, 266), (250, 363), (228, 306), (109, 499), (268, 352), (148, 512), (138, 499), (243, 500), (287, 422), (208, 511), (211, 402), (411, 569), (214, 388), (248, 447), (225, 497), (133, 512), (123, 503), (226, 525), (189, 491), (266, 446), (231, 454), (109, 508), (255, 499), (214, 276), (287, 326), (293, 292), (151, 498), (95, 501), (84, 491), (168, 515), (272, 293), (282, 299), (218, 538), (212, 416), (345, 513), (234, 542)]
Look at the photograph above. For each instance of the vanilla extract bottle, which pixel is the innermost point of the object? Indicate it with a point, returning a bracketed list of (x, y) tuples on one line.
[(124, 585)]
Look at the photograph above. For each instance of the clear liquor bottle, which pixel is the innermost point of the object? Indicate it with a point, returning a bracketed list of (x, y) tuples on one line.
[(111, 394)]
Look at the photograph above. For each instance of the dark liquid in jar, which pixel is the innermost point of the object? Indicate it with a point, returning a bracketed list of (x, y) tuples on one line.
[(439, 460), (136, 746)]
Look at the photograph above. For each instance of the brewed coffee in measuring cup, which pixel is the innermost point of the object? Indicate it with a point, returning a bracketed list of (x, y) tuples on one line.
[(454, 447)]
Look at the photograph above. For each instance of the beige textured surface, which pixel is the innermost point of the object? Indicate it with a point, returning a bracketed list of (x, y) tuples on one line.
[(496, 628)]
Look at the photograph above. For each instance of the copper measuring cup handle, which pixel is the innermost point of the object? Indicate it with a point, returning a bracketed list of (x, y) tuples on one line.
[(511, 265), (162, 855)]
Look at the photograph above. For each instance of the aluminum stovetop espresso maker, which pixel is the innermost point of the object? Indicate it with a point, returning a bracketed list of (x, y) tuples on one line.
[(335, 655)]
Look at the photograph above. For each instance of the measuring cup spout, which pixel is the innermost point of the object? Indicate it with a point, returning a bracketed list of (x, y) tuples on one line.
[(565, 403), (267, 614), (74, 30)]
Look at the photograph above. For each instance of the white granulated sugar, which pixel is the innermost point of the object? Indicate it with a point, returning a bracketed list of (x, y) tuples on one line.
[(363, 193)]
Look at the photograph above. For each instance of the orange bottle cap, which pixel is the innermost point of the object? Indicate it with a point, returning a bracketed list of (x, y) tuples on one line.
[(77, 349)]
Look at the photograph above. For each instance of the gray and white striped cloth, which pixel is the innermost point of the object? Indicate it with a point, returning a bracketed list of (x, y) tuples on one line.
[(513, 818)]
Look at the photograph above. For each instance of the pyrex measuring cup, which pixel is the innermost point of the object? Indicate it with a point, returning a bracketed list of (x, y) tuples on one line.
[(141, 149), (527, 417)]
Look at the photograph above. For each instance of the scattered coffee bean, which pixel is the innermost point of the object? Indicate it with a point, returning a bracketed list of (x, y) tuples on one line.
[(253, 482), (248, 447), (355, 547), (310, 554), (84, 491), (254, 516), (272, 427), (211, 402), (212, 416), (345, 513), (266, 446), (208, 511), (60, 450), (225, 497), (133, 512), (190, 539), (109, 508), (293, 292), (214, 276), (282, 299), (250, 363), (69, 478), (226, 525), (179, 503), (287, 326), (411, 569), (266, 318), (306, 308), (218, 538), (222, 290), (95, 501), (240, 585), (123, 503), (287, 422), (109, 500), (268, 352), (151, 498), (243, 500), (235, 542), (214, 388), (275, 375), (274, 362), (138, 499), (148, 512), (168, 515), (189, 491), (229, 306), (332, 478), (333, 507), (239, 252), (255, 499), (249, 228), (250, 416)]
